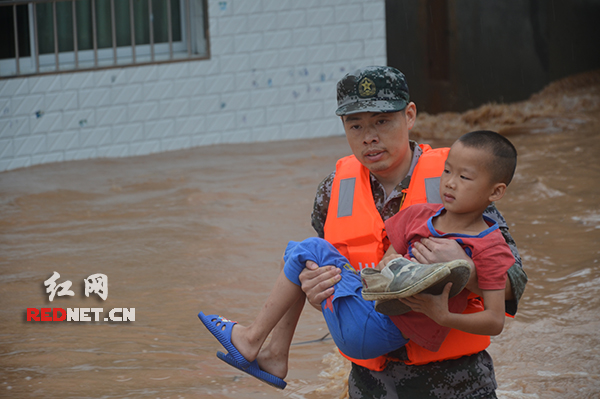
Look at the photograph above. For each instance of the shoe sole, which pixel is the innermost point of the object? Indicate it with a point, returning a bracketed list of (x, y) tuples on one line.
[(458, 276), (425, 283), (254, 370), (391, 307)]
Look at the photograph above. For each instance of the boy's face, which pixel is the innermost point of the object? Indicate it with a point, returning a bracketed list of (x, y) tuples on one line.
[(380, 140), (466, 184)]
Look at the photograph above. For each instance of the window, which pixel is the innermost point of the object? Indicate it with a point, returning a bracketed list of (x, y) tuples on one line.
[(49, 36)]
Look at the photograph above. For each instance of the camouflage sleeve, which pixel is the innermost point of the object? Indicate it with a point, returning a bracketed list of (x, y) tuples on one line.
[(516, 274), (321, 205)]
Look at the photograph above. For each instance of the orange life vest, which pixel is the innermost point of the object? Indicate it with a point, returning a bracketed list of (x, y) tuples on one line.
[(356, 229)]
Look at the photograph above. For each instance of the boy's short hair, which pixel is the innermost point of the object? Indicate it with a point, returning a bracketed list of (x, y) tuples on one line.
[(504, 161)]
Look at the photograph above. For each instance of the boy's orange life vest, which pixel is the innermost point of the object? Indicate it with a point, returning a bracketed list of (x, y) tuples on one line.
[(355, 227)]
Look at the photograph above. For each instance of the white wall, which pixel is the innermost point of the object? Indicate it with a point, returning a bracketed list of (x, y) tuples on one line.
[(271, 76)]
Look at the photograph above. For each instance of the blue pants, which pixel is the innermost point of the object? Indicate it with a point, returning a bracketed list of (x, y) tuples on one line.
[(358, 330)]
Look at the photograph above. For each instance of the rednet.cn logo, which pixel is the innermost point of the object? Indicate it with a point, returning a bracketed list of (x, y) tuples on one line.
[(94, 284)]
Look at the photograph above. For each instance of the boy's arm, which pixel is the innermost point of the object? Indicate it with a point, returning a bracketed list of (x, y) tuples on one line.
[(488, 322), (434, 250)]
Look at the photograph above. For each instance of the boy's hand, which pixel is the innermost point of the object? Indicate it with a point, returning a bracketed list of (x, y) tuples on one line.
[(433, 306)]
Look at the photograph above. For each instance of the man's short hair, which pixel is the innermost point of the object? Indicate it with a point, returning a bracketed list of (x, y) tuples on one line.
[(504, 161)]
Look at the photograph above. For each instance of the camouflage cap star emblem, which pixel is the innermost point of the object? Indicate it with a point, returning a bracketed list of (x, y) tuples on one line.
[(366, 87)]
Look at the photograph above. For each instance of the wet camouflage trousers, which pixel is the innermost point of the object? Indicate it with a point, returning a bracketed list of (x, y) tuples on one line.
[(470, 377)]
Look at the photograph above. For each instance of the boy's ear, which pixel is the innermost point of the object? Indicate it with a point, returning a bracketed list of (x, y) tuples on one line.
[(498, 191)]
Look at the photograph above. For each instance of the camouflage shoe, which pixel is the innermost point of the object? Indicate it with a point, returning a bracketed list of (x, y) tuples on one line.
[(458, 277), (401, 278), (391, 307)]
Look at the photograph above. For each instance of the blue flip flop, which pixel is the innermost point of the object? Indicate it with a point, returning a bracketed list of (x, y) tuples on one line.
[(221, 329), (254, 371)]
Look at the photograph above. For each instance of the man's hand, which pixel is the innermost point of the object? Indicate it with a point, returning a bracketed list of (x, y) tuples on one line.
[(437, 250), (317, 282)]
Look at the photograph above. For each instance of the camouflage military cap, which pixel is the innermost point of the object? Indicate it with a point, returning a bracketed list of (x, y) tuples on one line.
[(372, 89)]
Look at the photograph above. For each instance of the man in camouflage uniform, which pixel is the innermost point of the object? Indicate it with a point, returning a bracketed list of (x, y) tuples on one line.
[(377, 116)]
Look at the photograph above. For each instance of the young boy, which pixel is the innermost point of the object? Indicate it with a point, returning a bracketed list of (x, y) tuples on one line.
[(475, 175), (479, 167)]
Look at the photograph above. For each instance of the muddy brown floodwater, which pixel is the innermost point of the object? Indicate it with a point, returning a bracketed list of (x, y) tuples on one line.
[(204, 229)]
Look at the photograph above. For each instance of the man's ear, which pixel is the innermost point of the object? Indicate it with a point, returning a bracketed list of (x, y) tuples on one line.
[(498, 191), (411, 114)]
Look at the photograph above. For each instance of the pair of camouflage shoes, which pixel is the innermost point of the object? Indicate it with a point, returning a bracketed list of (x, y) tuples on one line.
[(401, 278)]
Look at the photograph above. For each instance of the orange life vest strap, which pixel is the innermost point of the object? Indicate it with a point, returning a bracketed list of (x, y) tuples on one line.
[(377, 364)]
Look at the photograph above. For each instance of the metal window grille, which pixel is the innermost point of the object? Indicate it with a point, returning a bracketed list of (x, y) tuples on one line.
[(54, 36)]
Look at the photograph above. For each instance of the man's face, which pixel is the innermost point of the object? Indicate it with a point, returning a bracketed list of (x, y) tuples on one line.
[(380, 140)]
